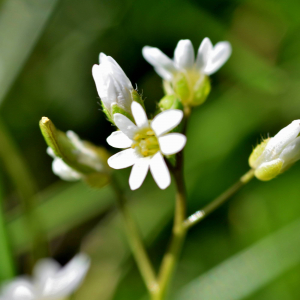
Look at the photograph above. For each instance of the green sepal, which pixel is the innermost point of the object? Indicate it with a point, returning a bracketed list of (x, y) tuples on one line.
[(115, 109), (96, 180), (135, 96), (170, 102), (107, 114), (201, 91), (181, 88), (63, 148)]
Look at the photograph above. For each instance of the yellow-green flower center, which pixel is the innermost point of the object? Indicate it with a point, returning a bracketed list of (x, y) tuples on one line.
[(146, 142)]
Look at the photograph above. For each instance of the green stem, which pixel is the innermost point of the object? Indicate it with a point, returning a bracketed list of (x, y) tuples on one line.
[(135, 241), (7, 270), (212, 206), (21, 177), (178, 233)]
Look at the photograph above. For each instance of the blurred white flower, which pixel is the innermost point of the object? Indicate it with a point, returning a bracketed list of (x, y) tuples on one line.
[(147, 142), (50, 280), (275, 155), (184, 76), (209, 59), (61, 169), (112, 84)]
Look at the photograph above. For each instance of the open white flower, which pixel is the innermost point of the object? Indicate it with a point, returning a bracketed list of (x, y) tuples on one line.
[(275, 155), (209, 59), (50, 280), (184, 76), (147, 142), (112, 84)]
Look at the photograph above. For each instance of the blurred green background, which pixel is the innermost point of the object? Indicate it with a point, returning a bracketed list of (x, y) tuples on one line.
[(249, 248)]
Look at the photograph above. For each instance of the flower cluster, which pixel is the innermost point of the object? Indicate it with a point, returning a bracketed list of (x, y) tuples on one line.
[(50, 281)]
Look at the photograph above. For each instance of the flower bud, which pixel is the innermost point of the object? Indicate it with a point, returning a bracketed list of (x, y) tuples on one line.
[(113, 86), (275, 155), (170, 102), (75, 159)]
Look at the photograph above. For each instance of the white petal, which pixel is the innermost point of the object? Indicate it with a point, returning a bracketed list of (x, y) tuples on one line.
[(125, 125), (166, 121), (123, 159), (50, 152), (68, 279), (102, 57), (119, 140), (172, 143), (184, 55), (43, 270), (139, 115), (19, 289), (61, 169), (158, 59), (204, 52), (139, 172), (281, 140), (164, 74), (291, 153), (160, 171), (218, 57)]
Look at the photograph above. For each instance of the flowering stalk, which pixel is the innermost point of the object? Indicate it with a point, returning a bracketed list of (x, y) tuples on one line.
[(135, 241), (216, 203), (24, 182)]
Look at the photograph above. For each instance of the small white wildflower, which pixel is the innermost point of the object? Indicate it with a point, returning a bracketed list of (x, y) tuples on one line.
[(185, 76), (209, 59), (50, 280), (275, 155), (112, 84), (147, 142)]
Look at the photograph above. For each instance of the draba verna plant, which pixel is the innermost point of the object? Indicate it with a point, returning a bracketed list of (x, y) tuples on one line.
[(145, 142)]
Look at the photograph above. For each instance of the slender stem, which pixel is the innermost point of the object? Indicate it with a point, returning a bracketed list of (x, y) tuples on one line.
[(212, 206), (135, 241), (7, 269), (178, 233), (21, 177)]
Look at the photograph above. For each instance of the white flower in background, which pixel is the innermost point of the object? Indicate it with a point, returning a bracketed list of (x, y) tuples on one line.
[(85, 156), (112, 84), (185, 75), (50, 280), (61, 169), (147, 142), (275, 155)]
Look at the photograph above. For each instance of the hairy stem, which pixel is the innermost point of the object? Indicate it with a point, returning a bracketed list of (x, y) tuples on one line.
[(216, 203), (135, 241)]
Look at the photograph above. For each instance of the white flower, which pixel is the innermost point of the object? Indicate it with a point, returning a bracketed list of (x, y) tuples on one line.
[(61, 169), (85, 156), (147, 142), (50, 280), (208, 61), (112, 84), (275, 155)]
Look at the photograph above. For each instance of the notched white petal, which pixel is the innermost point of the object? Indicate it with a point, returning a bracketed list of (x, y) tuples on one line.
[(125, 125), (166, 121), (160, 171), (219, 55), (20, 288), (139, 172), (204, 53), (139, 115), (172, 143), (119, 140), (123, 159), (184, 55)]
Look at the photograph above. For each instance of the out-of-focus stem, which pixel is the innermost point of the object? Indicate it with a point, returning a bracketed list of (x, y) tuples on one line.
[(20, 175), (135, 241), (7, 269), (213, 205)]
